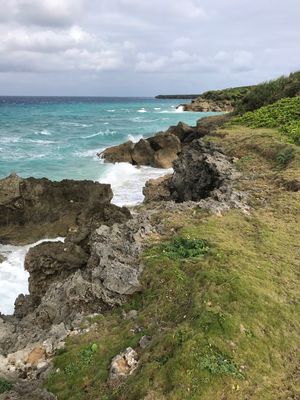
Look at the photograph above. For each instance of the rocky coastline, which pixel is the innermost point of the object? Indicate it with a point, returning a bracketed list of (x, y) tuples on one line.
[(201, 104), (98, 267)]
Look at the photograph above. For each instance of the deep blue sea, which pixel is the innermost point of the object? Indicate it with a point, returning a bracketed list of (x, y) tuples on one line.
[(58, 137)]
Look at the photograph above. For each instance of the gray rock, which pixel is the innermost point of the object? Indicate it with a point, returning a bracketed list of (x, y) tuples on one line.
[(142, 153), (144, 341), (200, 169), (123, 365)]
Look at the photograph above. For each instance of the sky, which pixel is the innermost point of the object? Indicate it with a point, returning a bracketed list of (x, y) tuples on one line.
[(144, 47)]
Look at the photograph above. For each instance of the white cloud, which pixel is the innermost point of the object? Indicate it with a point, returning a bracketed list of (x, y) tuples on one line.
[(203, 42), (178, 61)]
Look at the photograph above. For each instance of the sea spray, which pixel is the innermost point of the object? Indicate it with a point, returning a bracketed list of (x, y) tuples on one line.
[(127, 181), (13, 277)]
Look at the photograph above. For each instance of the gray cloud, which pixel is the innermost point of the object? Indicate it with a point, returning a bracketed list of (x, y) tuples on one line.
[(134, 47)]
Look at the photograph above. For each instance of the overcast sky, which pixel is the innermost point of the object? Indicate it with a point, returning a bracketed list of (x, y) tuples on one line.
[(144, 47)]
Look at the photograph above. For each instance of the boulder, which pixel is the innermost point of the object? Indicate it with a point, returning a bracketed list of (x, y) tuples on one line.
[(157, 189), (158, 151), (50, 262), (123, 365), (120, 153), (200, 169), (181, 130), (167, 146), (142, 153)]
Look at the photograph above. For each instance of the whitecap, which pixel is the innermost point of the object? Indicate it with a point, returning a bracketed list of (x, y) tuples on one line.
[(42, 141), (93, 135), (110, 110), (135, 139), (76, 124), (127, 182), (92, 153), (43, 132), (142, 110), (157, 108), (13, 277)]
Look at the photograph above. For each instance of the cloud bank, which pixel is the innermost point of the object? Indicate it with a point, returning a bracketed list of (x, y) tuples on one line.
[(134, 47)]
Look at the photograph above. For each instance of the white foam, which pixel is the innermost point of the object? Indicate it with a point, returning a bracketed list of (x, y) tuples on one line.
[(157, 108), (127, 182), (43, 132), (110, 110), (13, 277), (142, 110), (135, 139), (92, 153), (92, 135)]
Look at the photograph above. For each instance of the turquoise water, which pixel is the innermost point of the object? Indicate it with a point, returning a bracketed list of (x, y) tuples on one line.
[(59, 137)]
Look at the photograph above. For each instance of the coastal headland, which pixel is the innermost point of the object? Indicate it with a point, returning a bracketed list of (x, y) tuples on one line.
[(190, 294)]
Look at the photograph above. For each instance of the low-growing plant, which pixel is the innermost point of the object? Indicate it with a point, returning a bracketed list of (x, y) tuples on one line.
[(284, 157), (180, 248), (5, 385), (218, 363), (84, 359)]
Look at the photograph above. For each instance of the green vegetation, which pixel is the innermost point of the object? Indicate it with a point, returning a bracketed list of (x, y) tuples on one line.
[(269, 92), (232, 94), (180, 248), (220, 300), (5, 385), (284, 115)]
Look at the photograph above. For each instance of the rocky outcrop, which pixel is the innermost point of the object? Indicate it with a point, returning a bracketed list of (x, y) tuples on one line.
[(31, 209), (200, 169), (27, 390), (201, 104), (157, 189), (120, 153), (158, 151), (203, 175), (68, 280)]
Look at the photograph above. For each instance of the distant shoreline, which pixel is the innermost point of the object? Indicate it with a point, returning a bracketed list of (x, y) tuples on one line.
[(177, 96)]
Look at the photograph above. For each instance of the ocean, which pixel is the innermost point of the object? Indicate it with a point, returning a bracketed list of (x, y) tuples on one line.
[(59, 137)]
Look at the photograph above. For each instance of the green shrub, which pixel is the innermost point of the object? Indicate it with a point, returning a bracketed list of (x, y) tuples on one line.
[(269, 92), (284, 157), (180, 248), (5, 385), (284, 115)]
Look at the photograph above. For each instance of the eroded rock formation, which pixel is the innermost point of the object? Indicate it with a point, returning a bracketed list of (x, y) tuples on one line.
[(158, 151), (31, 209)]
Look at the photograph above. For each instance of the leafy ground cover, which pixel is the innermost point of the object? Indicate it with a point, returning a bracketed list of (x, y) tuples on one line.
[(284, 115)]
